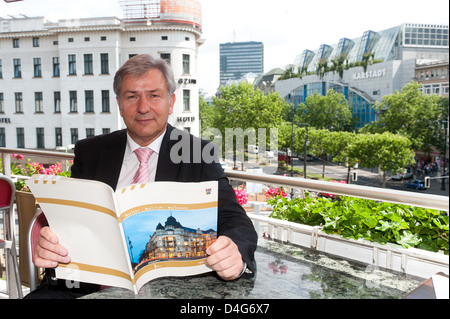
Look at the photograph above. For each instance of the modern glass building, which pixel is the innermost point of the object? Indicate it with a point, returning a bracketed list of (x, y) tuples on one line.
[(375, 65), (240, 58)]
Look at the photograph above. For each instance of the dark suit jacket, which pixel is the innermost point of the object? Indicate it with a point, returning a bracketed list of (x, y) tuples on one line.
[(100, 158)]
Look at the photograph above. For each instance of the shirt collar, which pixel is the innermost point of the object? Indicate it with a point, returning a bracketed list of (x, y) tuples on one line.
[(155, 146)]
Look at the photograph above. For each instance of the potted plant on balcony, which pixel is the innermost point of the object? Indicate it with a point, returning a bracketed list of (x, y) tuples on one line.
[(26, 203)]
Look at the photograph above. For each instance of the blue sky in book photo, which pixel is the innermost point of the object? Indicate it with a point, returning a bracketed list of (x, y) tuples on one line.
[(286, 27), (143, 225)]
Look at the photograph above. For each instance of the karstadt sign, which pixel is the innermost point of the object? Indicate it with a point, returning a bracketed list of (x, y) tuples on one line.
[(380, 73)]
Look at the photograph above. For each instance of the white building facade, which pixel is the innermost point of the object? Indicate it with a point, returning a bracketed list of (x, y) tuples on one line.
[(56, 79)]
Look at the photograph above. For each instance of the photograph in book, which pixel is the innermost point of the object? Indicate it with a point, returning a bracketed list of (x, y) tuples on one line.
[(129, 237), (169, 236)]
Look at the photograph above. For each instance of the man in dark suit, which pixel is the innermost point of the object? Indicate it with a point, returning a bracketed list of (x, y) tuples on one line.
[(145, 94)]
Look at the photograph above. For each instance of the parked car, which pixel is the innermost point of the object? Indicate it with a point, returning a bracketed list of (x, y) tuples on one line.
[(416, 184), (309, 157), (332, 196), (406, 174)]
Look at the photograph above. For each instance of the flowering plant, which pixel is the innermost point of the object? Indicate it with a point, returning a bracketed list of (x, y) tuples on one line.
[(241, 195), (32, 168), (275, 192)]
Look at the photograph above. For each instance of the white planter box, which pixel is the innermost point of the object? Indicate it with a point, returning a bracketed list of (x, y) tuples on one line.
[(415, 262)]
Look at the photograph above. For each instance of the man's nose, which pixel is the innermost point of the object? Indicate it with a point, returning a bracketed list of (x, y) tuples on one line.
[(144, 105)]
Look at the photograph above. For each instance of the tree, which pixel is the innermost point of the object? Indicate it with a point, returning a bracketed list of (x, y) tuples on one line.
[(412, 114), (331, 112), (348, 153), (207, 114), (241, 111), (389, 152)]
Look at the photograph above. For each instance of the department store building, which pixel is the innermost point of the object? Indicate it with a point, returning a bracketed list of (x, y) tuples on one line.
[(56, 79), (396, 53)]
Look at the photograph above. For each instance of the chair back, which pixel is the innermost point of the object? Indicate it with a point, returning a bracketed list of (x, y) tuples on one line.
[(7, 192)]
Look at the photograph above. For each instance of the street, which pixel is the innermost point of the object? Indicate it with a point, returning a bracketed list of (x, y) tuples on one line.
[(368, 178)]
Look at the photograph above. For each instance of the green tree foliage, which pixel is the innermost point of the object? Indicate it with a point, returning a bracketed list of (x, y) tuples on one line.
[(331, 112), (242, 106), (412, 114), (389, 152)]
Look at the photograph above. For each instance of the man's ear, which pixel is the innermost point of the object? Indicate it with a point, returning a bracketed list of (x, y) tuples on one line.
[(173, 98), (118, 105)]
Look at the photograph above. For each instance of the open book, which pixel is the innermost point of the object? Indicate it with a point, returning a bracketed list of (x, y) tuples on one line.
[(129, 237)]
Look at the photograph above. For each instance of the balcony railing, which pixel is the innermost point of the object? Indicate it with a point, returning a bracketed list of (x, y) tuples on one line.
[(410, 261), (373, 193)]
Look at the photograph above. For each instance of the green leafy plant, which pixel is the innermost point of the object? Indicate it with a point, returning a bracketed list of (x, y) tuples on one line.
[(371, 220), (31, 168)]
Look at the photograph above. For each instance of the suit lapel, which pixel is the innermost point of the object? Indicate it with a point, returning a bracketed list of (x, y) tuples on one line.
[(166, 171), (112, 155)]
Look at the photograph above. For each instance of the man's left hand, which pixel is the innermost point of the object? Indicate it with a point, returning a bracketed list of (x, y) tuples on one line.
[(225, 258)]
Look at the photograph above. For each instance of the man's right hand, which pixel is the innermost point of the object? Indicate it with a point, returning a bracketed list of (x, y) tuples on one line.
[(48, 252)]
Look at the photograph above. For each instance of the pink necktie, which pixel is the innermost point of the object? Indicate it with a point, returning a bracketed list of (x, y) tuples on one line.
[(143, 173)]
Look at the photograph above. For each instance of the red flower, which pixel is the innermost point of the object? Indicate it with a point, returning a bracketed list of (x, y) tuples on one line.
[(241, 195)]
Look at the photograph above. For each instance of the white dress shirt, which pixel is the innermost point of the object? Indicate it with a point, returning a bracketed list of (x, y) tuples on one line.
[(131, 163)]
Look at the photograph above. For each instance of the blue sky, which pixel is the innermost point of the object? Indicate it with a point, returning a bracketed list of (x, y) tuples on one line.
[(287, 27)]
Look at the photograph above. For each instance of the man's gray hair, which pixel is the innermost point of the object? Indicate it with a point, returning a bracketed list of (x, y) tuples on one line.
[(138, 65)]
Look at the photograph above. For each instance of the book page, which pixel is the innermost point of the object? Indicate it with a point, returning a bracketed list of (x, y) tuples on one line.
[(82, 213), (168, 227)]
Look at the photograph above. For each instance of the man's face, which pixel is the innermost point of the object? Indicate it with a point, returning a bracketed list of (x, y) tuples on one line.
[(145, 106)]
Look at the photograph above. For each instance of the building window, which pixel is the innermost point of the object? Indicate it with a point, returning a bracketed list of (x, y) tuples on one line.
[(35, 42), (73, 101), (105, 102), (87, 39), (20, 134), (56, 66), (58, 137), (166, 57), (17, 68), (40, 137), (445, 88), (1, 69), (89, 101), (90, 132), (72, 64), (106, 131), (186, 64), (73, 135), (70, 39), (19, 102), (16, 43), (57, 102), (103, 38), (164, 38), (38, 102), (104, 63), (88, 64), (2, 104), (2, 137), (436, 88), (37, 67), (133, 39), (186, 100)]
